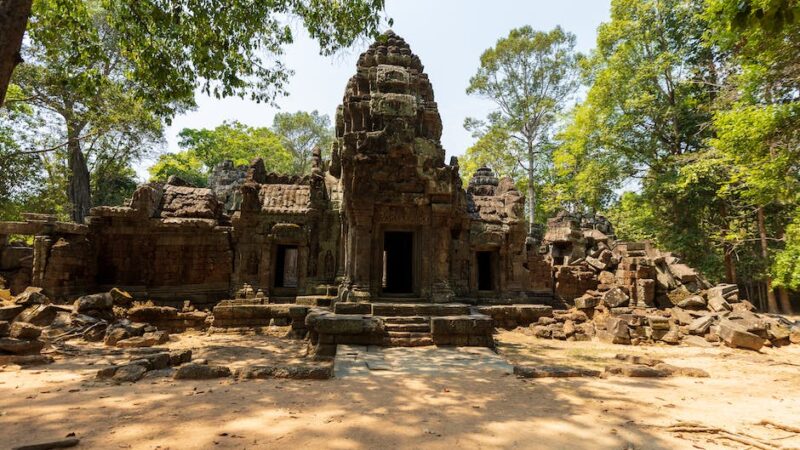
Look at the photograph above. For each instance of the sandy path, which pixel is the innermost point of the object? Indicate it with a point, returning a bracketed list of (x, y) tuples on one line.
[(470, 409)]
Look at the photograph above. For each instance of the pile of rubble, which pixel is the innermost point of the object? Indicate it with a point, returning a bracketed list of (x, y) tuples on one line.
[(30, 322), (642, 295)]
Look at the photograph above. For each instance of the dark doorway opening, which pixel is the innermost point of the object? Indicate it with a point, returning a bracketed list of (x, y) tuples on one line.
[(485, 275), (398, 262), (286, 266)]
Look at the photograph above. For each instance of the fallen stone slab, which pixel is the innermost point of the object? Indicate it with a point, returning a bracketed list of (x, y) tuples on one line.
[(293, 371), (41, 315), (701, 325), (178, 357), (587, 301), (637, 359), (553, 371), (150, 314), (682, 371), (61, 443), (635, 370), (697, 341), (94, 302), (692, 302), (615, 298), (718, 304), (736, 336), (129, 373), (21, 346), (106, 372), (146, 340), (31, 296), (194, 371), (24, 330), (794, 335), (25, 360), (10, 312)]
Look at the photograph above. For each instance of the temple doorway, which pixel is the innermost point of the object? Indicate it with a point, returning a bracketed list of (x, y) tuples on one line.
[(485, 271), (286, 266), (398, 262)]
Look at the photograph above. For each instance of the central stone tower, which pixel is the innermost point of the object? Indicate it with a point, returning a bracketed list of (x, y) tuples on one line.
[(399, 198)]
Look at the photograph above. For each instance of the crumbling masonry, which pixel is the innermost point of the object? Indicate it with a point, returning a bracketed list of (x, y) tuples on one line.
[(380, 245)]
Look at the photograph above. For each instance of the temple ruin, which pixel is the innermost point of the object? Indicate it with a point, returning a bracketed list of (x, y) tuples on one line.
[(380, 245)]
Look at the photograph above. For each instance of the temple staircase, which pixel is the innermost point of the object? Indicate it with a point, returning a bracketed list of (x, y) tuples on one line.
[(408, 331)]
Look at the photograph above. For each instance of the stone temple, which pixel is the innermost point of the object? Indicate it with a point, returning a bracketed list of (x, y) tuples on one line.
[(385, 229)]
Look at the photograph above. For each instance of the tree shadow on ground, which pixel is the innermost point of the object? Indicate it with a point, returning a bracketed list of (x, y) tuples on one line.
[(467, 407)]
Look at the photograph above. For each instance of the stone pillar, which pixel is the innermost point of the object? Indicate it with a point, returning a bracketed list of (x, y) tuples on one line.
[(441, 292), (360, 254), (41, 250), (265, 267)]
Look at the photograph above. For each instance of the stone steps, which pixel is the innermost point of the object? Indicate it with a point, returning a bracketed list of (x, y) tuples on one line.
[(419, 309), (404, 300), (408, 339), (407, 319), (412, 327)]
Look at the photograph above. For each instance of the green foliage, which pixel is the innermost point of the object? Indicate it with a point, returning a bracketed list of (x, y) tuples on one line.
[(530, 76), (203, 149), (228, 47), (786, 268), (300, 132), (184, 164), (632, 218)]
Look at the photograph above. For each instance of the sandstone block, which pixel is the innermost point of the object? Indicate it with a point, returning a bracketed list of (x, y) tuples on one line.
[(94, 302), (178, 357), (633, 370), (586, 301), (192, 371), (718, 304), (692, 302), (151, 314), (31, 296), (736, 336), (701, 325), (146, 340), (552, 371), (41, 315), (682, 371), (129, 373), (8, 313), (21, 346), (24, 330), (615, 298)]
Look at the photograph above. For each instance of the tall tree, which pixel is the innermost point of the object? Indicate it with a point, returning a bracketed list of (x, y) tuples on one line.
[(530, 76), (757, 124), (13, 19), (647, 113), (84, 101), (157, 53), (300, 132)]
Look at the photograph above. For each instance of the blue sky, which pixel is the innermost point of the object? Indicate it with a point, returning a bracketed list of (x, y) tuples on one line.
[(449, 37)]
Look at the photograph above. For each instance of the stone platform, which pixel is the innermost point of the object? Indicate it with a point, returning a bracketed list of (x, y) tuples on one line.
[(361, 360)]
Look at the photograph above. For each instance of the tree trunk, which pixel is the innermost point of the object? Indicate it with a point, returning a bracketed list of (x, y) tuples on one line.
[(730, 266), (13, 20), (772, 304), (532, 197), (786, 304), (79, 190)]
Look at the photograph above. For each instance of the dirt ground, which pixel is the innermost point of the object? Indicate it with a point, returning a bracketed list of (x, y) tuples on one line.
[(466, 408)]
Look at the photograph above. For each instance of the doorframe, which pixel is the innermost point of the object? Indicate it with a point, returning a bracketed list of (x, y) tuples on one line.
[(415, 260)]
